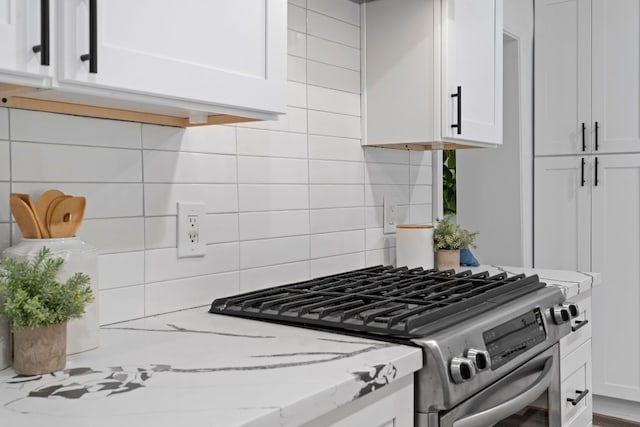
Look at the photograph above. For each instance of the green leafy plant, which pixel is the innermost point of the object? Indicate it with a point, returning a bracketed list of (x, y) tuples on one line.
[(448, 235), (33, 296), (449, 182)]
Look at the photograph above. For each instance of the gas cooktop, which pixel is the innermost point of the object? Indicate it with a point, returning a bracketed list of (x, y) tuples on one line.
[(383, 302)]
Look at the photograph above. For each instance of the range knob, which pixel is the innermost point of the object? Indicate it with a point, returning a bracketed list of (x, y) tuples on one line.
[(462, 369), (573, 308), (481, 359), (560, 314)]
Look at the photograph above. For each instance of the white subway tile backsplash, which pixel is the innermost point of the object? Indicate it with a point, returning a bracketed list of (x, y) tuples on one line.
[(162, 199), (386, 256), (421, 214), (220, 228), (330, 220), (272, 170), (4, 123), (264, 277), (386, 155), (265, 197), (297, 43), (117, 305), (373, 216), (179, 167), (334, 101), (332, 53), (337, 264), (104, 200), (334, 172), (348, 11), (296, 94), (5, 214), (262, 225), (259, 253), (296, 69), (160, 231), (301, 3), (386, 173), (259, 142), (333, 148), (113, 235), (123, 269), (329, 28), (73, 130), (420, 194), (420, 175), (421, 158), (376, 239), (331, 244), (186, 293), (336, 196), (375, 194), (294, 121), (5, 163), (5, 236), (163, 264), (198, 139), (55, 163), (330, 76), (331, 124), (297, 18)]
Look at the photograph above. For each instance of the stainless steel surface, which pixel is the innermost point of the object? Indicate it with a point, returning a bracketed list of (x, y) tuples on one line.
[(560, 315), (481, 359), (573, 308), (462, 369)]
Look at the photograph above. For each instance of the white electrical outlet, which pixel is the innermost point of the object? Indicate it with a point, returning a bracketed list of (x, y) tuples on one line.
[(190, 241), (389, 215)]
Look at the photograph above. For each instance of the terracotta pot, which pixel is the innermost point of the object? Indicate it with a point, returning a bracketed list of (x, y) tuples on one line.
[(449, 259), (40, 350)]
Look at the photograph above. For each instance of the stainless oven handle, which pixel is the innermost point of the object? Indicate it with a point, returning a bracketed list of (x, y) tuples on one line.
[(503, 410)]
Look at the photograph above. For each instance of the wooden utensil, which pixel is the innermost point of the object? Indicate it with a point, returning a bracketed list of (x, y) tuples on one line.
[(25, 218), (42, 204), (27, 199), (50, 210), (67, 216)]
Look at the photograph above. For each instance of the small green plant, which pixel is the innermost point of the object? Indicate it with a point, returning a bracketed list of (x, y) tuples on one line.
[(449, 182), (448, 235), (33, 296)]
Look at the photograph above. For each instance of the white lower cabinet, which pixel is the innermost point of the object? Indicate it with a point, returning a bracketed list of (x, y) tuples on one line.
[(390, 406)]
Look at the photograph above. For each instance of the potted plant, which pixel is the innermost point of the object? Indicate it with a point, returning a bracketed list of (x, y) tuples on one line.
[(448, 239), (38, 308)]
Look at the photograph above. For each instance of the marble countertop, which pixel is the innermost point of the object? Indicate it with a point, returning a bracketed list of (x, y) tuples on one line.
[(194, 368)]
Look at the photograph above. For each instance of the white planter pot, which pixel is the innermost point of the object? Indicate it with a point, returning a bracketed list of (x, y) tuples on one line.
[(82, 334)]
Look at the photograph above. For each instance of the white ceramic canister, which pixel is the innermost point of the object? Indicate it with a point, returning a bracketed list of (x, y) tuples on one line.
[(414, 246), (82, 334)]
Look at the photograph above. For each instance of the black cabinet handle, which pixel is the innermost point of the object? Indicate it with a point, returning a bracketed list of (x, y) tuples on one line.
[(458, 95), (92, 56), (596, 134), (581, 395), (579, 324), (43, 47), (582, 174), (595, 181), (584, 144)]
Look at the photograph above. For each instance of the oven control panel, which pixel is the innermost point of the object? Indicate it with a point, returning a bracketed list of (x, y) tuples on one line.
[(513, 338)]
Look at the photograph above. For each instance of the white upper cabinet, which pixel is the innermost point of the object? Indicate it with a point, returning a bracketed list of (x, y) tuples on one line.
[(416, 56), (211, 51), (20, 31)]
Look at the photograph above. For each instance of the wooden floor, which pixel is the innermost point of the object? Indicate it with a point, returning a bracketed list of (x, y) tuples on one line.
[(604, 421)]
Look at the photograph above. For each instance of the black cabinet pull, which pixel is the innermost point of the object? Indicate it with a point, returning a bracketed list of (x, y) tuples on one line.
[(43, 47), (458, 95), (92, 56), (582, 174), (579, 324), (584, 143), (596, 134), (595, 181), (581, 395)]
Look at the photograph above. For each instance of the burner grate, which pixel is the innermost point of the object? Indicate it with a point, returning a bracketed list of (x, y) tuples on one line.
[(380, 300)]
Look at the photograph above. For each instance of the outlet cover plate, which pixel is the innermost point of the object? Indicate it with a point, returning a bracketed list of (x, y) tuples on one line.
[(189, 230)]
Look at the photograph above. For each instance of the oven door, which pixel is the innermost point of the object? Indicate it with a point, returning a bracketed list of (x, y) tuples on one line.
[(528, 396)]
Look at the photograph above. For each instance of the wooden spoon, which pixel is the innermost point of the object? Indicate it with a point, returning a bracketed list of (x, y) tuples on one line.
[(67, 217), (27, 199), (42, 204), (50, 210), (25, 218)]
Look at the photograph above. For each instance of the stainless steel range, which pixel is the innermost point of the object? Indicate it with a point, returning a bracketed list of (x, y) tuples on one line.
[(490, 343)]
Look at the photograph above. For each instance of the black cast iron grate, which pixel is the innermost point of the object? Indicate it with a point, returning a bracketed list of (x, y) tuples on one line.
[(381, 300)]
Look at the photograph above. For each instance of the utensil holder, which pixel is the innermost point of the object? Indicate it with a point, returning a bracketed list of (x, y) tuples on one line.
[(82, 334)]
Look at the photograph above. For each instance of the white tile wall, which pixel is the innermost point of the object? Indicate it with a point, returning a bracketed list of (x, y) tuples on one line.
[(285, 200)]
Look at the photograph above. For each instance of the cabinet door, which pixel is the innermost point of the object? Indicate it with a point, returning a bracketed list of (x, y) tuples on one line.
[(562, 76), (19, 32), (229, 53), (562, 216), (472, 59), (616, 75), (616, 254), (576, 378)]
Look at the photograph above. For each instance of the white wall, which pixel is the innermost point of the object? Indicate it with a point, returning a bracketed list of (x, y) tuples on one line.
[(285, 200)]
